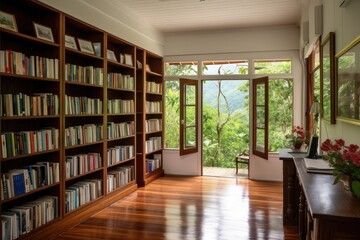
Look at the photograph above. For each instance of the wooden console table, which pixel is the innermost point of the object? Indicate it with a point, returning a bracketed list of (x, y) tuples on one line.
[(325, 211), (291, 189)]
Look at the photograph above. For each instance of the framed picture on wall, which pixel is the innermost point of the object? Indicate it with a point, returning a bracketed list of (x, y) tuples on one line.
[(348, 83), (327, 78)]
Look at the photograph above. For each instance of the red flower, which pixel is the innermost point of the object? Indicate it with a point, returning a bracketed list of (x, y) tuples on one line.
[(344, 159), (340, 142), (353, 147)]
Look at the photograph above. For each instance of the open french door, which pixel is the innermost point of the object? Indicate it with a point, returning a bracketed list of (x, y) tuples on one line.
[(260, 117), (188, 116)]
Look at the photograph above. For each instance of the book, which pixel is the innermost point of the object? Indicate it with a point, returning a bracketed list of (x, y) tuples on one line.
[(317, 166)]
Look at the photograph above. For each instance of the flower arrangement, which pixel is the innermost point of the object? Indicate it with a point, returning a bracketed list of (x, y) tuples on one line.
[(297, 137), (345, 160)]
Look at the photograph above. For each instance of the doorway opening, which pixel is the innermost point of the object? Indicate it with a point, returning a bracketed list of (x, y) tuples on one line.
[(225, 126)]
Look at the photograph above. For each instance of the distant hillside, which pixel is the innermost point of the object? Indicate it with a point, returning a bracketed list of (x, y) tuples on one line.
[(230, 88)]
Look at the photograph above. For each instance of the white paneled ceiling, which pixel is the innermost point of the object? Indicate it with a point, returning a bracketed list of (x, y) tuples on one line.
[(191, 15)]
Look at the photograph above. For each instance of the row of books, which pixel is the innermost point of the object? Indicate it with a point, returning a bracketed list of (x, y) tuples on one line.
[(153, 125), (82, 163), (87, 74), (27, 142), (33, 66), (153, 106), (21, 104), (117, 80), (119, 177), (81, 193), (83, 105), (87, 133), (153, 144), (22, 219), (19, 181), (119, 153), (153, 87), (119, 130), (116, 106), (153, 164)]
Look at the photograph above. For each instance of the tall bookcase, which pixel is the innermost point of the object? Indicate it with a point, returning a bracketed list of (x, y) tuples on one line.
[(150, 105), (73, 120), (31, 119)]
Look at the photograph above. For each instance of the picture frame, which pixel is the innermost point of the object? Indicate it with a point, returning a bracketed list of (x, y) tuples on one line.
[(111, 55), (138, 64), (97, 48), (86, 46), (8, 21), (128, 59), (348, 83), (70, 42), (43, 32), (327, 78), (122, 58)]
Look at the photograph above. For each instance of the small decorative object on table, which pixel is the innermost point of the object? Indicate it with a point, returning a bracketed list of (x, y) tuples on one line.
[(346, 162), (297, 137)]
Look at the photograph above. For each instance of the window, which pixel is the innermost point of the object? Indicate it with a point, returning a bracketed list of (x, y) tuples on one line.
[(172, 114), (225, 67), (181, 68), (277, 66)]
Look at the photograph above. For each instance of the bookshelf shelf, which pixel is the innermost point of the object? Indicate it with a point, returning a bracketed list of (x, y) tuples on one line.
[(121, 162), (30, 193), (154, 73), (73, 76), (29, 155), (84, 174), (19, 78), (26, 38)]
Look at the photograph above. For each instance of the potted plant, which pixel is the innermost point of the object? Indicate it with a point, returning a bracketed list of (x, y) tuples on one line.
[(296, 138), (346, 163)]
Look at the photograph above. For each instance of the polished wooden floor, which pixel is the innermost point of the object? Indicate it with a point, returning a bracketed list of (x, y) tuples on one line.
[(192, 208)]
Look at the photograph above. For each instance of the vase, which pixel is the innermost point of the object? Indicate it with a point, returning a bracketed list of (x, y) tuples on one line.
[(351, 185), (296, 146), (345, 179)]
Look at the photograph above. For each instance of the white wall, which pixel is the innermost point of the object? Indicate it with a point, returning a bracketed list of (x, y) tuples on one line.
[(114, 18), (255, 43), (344, 22)]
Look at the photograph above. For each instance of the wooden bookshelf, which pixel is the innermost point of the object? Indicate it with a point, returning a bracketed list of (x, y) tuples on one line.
[(99, 103), (32, 68), (149, 108), (121, 125)]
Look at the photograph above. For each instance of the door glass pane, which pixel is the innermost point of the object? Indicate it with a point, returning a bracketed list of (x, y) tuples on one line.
[(190, 140), (260, 140), (260, 117), (190, 116), (260, 96), (190, 94)]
